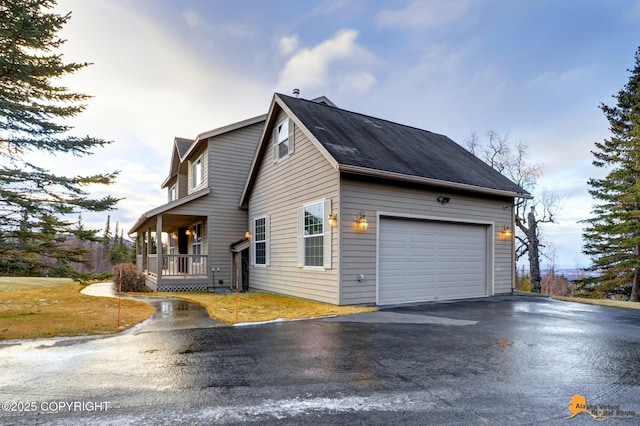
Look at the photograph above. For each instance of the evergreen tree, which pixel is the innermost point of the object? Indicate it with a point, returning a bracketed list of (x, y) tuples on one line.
[(33, 201), (107, 237), (612, 236)]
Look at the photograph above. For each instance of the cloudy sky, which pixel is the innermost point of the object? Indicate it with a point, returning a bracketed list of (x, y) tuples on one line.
[(535, 70)]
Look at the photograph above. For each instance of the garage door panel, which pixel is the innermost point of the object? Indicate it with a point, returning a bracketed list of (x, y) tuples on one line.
[(426, 260)]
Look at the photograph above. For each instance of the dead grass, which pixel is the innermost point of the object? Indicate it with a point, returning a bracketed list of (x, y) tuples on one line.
[(601, 302), (48, 307), (258, 307)]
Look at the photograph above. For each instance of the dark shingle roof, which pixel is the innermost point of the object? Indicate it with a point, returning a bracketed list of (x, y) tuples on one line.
[(358, 140), (183, 145)]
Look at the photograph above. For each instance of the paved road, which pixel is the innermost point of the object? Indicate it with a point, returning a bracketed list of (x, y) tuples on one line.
[(505, 361)]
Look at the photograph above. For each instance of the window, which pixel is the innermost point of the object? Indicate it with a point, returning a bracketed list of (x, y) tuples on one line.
[(196, 243), (172, 193), (282, 139), (313, 234), (173, 237), (260, 241), (196, 172)]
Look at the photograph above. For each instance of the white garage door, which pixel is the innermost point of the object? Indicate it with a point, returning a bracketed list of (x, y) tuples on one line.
[(425, 260)]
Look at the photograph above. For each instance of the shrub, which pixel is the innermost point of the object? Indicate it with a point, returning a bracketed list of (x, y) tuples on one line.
[(132, 278)]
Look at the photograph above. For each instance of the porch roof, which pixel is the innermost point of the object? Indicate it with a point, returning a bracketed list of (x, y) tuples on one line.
[(149, 218)]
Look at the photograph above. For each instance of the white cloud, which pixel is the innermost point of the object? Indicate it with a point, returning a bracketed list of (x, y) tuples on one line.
[(339, 61), (288, 44), (423, 14), (192, 18), (555, 79), (358, 83), (332, 6)]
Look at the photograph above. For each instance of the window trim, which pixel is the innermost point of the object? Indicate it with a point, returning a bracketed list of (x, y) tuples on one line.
[(306, 236), (276, 142), (199, 244), (255, 241), (326, 234), (197, 165), (173, 192)]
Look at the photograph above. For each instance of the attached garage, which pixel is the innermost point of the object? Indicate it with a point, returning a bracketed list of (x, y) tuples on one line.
[(421, 260)]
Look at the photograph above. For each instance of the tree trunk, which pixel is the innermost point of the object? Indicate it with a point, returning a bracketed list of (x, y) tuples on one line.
[(534, 254), (636, 278)]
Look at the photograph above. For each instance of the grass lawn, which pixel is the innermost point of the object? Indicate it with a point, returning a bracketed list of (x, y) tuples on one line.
[(601, 302), (49, 307), (258, 307)]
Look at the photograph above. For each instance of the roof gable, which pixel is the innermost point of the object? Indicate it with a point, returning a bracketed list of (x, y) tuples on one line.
[(183, 147)]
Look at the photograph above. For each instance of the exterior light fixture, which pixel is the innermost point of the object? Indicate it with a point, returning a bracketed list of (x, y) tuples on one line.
[(247, 235), (506, 233), (361, 222), (443, 200), (332, 219), (188, 232)]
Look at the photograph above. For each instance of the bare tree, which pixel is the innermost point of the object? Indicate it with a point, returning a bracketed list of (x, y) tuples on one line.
[(511, 161)]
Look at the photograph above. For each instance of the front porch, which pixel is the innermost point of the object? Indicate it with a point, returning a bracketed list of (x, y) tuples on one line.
[(170, 252), (178, 272)]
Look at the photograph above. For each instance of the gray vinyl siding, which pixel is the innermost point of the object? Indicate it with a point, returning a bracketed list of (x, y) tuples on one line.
[(279, 190), (359, 249), (183, 180), (229, 159)]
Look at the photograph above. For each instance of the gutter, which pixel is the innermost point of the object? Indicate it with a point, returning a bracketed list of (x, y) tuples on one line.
[(358, 170)]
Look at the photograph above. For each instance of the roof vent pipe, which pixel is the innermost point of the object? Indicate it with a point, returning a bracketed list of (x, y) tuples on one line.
[(296, 92)]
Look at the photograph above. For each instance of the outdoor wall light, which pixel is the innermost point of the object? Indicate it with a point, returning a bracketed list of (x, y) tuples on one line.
[(247, 235), (332, 219), (443, 200), (361, 222), (188, 232), (506, 233)]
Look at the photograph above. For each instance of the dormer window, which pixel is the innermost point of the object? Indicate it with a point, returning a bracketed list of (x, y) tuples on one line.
[(282, 139), (196, 172)]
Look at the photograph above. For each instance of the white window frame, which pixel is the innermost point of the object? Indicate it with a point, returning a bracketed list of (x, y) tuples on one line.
[(260, 238), (196, 173), (283, 133), (173, 192), (303, 236), (197, 242)]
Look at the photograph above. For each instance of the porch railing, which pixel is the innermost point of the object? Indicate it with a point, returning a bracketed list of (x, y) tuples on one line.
[(178, 265)]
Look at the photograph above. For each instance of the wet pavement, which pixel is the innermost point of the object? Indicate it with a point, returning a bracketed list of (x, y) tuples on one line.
[(504, 360), (171, 314)]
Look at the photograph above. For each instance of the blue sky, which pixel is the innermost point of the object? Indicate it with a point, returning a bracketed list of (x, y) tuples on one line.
[(535, 70)]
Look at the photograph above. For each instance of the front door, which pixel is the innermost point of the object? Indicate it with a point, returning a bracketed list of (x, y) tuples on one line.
[(245, 270), (183, 248)]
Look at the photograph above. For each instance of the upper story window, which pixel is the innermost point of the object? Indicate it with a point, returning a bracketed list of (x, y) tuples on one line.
[(173, 194), (196, 172), (282, 139)]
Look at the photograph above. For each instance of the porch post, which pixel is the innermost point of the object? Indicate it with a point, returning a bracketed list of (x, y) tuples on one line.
[(148, 249), (159, 245)]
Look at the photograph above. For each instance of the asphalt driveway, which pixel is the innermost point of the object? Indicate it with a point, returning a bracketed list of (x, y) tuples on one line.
[(505, 360)]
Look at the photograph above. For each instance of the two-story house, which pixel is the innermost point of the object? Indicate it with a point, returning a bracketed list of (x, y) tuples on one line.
[(339, 206)]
